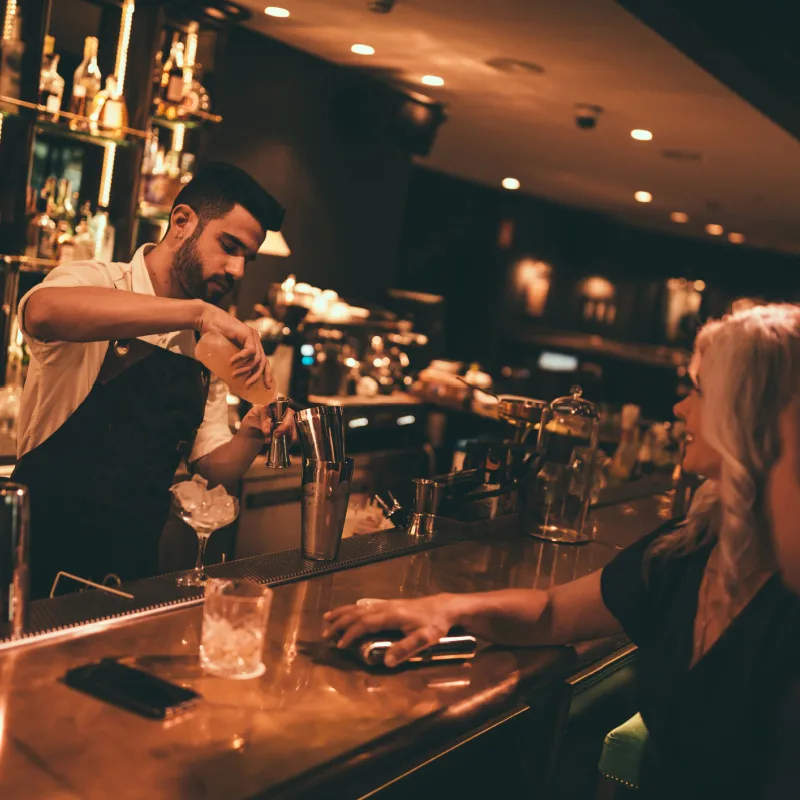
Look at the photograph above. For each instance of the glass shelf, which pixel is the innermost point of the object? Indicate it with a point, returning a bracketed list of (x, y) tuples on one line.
[(13, 106), (29, 264), (198, 120), (63, 131)]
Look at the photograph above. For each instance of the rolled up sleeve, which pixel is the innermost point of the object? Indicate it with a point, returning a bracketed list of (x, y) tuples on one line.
[(214, 430), (86, 273)]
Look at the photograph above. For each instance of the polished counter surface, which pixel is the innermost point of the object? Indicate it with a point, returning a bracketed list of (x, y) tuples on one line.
[(314, 714)]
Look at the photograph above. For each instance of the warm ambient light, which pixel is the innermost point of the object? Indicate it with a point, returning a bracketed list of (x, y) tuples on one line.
[(714, 230), (275, 245), (699, 286), (642, 197), (276, 11), (432, 80), (735, 238), (679, 216), (641, 135), (362, 50), (512, 184)]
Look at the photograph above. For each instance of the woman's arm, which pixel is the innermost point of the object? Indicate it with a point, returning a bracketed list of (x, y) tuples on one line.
[(568, 613)]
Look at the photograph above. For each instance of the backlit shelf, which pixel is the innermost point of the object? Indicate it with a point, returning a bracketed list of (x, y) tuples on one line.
[(60, 127)]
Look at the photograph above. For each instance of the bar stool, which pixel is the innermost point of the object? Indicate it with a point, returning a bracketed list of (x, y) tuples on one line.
[(621, 757)]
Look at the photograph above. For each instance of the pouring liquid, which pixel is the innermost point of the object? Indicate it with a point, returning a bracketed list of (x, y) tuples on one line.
[(215, 352)]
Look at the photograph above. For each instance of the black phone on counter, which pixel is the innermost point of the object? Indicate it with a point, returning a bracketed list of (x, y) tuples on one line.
[(132, 689), (456, 646)]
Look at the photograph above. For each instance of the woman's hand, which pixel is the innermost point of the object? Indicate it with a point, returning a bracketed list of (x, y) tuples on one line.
[(423, 621)]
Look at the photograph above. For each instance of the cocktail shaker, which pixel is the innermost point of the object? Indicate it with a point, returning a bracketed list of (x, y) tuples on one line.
[(326, 495)]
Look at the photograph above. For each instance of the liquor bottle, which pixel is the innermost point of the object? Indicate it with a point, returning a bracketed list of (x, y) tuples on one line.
[(47, 51), (65, 249), (109, 114), (626, 455), (85, 84), (196, 98), (83, 241), (172, 86), (103, 234), (41, 232), (51, 90)]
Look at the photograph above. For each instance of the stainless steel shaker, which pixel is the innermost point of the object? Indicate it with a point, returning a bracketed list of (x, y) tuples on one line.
[(327, 481), (321, 432), (14, 543), (326, 495)]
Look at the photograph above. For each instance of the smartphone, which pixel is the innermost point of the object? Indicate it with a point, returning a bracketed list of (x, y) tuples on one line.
[(456, 646), (132, 689)]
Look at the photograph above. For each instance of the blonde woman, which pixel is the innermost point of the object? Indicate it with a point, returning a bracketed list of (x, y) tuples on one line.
[(718, 633)]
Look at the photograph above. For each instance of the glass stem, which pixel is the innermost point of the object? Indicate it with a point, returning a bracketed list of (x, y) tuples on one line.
[(201, 551)]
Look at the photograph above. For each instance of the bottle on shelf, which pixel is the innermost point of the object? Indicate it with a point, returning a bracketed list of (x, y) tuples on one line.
[(83, 241), (172, 86), (42, 233), (109, 114), (48, 49), (103, 234), (85, 85), (51, 89), (626, 455), (65, 249), (196, 98)]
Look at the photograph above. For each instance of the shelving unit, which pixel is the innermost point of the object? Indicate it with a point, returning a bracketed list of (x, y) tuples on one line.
[(131, 33)]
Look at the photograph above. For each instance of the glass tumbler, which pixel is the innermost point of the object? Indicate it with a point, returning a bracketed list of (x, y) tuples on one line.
[(235, 615)]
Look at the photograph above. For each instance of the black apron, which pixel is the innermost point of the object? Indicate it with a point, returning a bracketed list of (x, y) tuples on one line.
[(99, 486)]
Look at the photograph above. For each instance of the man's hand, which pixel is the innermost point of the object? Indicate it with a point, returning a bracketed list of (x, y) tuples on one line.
[(257, 423), (251, 363)]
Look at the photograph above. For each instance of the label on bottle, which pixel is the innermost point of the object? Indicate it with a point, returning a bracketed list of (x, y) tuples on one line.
[(53, 104), (112, 115), (79, 90), (175, 89)]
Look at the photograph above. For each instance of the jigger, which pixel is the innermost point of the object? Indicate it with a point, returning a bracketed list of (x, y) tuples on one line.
[(278, 449)]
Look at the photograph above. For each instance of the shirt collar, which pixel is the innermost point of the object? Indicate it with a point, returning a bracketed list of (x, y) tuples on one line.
[(140, 277)]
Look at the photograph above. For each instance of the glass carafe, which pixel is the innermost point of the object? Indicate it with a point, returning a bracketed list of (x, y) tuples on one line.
[(567, 447)]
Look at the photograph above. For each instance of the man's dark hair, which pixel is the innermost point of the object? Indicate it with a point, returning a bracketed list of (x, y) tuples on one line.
[(218, 187)]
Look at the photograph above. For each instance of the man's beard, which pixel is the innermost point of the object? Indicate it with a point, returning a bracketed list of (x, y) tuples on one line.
[(188, 272)]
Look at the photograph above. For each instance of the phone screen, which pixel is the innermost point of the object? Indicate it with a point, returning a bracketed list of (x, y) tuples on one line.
[(131, 688)]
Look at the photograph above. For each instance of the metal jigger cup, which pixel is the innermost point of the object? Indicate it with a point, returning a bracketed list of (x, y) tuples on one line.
[(278, 457)]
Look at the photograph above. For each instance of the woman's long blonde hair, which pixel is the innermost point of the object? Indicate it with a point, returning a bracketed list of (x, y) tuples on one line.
[(749, 370)]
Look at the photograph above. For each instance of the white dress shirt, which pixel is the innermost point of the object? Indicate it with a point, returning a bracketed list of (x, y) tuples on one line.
[(61, 374)]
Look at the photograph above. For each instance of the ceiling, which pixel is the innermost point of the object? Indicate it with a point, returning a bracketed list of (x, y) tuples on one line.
[(523, 124)]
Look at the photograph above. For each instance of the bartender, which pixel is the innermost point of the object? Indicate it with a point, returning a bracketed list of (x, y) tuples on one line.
[(114, 398)]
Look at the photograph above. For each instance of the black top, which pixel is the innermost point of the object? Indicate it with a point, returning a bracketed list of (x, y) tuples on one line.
[(712, 727)]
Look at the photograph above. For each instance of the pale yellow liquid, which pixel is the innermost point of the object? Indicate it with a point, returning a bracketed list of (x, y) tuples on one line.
[(215, 352)]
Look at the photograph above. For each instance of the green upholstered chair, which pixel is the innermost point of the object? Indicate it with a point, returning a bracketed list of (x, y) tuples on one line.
[(622, 754)]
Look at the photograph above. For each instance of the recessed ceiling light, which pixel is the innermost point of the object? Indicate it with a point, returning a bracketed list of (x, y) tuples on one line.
[(642, 197), (276, 11), (714, 230), (511, 184), (679, 216), (735, 238), (362, 50), (641, 135), (432, 80)]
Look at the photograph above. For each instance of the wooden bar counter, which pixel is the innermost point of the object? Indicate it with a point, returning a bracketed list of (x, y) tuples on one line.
[(315, 725)]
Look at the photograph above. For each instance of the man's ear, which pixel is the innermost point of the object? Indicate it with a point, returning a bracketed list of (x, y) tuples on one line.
[(183, 221)]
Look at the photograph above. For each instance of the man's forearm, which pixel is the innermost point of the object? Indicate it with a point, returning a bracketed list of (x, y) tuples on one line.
[(229, 462), (93, 314)]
